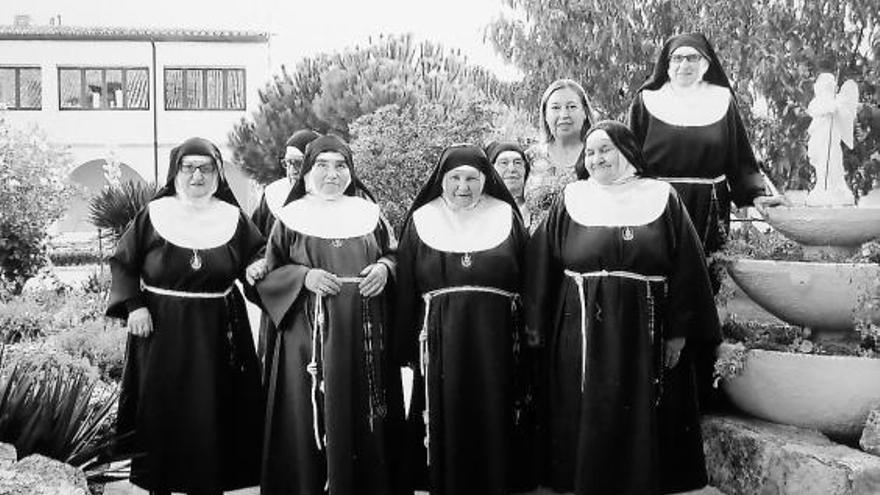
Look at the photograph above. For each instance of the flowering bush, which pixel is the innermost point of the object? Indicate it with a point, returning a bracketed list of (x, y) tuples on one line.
[(33, 193)]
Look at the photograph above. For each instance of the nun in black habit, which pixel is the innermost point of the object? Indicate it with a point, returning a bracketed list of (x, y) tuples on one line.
[(458, 307), (692, 136), (275, 196), (334, 418), (616, 291), (191, 390)]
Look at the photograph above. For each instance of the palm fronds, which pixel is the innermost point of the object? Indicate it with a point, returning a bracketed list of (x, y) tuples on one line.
[(114, 207)]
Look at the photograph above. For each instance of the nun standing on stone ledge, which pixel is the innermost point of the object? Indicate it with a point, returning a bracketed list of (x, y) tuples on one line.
[(692, 136), (616, 291), (191, 386), (334, 418), (458, 309)]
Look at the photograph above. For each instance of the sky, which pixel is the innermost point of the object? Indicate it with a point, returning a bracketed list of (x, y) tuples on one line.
[(300, 28)]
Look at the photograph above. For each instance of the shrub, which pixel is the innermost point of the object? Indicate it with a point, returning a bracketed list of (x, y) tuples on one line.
[(22, 320), (329, 92), (396, 147), (50, 408), (115, 207), (76, 258), (101, 342), (33, 193)]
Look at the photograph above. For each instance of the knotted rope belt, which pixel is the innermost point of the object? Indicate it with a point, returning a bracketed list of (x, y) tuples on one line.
[(714, 182), (694, 180), (376, 401), (586, 304), (424, 351)]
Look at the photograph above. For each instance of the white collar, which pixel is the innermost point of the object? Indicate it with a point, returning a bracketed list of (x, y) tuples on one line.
[(276, 193), (484, 227), (194, 229), (341, 218), (703, 107), (637, 202)]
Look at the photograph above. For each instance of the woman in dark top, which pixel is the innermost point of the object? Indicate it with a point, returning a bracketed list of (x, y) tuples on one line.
[(191, 386), (616, 286)]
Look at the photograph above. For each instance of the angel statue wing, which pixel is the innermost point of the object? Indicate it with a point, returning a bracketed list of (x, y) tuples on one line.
[(847, 107)]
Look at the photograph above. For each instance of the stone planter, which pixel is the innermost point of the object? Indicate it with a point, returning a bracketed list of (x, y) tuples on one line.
[(845, 226), (822, 296), (832, 394)]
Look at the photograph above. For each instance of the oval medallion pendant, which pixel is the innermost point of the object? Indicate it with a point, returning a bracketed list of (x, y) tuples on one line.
[(195, 261), (466, 260), (337, 243), (627, 234)]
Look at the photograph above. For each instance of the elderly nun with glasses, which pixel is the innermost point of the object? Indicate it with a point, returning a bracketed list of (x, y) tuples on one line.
[(191, 398), (685, 116)]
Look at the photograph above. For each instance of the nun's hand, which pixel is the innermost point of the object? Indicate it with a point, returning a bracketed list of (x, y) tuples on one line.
[(256, 271), (673, 351), (140, 323), (375, 277), (322, 282), (763, 202)]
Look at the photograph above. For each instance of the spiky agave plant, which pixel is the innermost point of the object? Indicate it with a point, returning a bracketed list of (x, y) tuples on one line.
[(60, 413), (114, 208)]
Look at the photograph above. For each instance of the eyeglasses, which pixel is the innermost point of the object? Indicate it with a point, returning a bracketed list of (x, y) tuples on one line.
[(691, 58), (292, 162), (204, 167)]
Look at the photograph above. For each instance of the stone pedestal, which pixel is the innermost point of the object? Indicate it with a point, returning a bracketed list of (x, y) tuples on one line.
[(749, 456)]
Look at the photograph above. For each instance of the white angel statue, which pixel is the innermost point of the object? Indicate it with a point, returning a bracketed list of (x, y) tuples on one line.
[(834, 116)]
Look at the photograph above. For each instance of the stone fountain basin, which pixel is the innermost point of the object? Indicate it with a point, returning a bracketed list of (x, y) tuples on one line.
[(822, 296), (832, 394), (826, 225)]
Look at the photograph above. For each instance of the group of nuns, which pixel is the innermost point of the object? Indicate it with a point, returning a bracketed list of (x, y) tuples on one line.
[(565, 357)]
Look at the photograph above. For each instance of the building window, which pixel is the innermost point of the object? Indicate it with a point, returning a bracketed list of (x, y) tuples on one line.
[(21, 88), (204, 89), (100, 88)]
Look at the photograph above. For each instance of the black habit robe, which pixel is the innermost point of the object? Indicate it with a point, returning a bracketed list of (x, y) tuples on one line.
[(342, 431), (613, 420), (190, 391)]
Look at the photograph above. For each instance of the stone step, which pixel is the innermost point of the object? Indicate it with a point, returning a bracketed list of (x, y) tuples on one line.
[(749, 456)]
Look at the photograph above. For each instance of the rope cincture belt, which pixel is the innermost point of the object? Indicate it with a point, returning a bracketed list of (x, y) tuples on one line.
[(186, 294), (579, 281), (316, 363), (694, 180), (424, 356), (713, 203)]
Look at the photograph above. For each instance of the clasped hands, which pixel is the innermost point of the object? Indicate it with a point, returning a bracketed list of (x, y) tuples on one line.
[(256, 271), (324, 283)]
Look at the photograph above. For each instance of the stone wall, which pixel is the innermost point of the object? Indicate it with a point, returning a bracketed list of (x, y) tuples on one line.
[(748, 456)]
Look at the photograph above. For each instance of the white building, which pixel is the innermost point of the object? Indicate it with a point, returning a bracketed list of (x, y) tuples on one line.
[(130, 95)]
